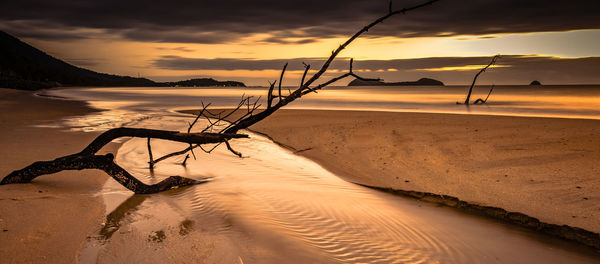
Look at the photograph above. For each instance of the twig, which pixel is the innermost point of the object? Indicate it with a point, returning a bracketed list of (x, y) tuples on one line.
[(281, 79), (244, 123), (306, 68), (270, 93), (151, 162), (198, 116), (185, 160), (481, 101), (232, 150)]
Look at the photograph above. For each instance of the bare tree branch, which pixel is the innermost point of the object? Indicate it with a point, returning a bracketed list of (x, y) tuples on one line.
[(281, 79), (270, 94), (207, 151), (252, 107), (492, 62), (101, 162), (185, 160), (87, 158), (306, 68), (151, 162), (197, 117), (246, 122), (232, 150), (480, 101), (360, 32)]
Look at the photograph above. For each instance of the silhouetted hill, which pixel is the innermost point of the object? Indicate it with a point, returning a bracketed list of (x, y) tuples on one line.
[(25, 67), (422, 81), (205, 82)]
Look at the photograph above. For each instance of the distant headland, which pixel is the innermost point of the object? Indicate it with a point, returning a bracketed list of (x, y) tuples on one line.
[(422, 81), (27, 68), (204, 82)]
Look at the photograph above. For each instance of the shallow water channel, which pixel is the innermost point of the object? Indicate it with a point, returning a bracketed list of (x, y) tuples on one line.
[(272, 206)]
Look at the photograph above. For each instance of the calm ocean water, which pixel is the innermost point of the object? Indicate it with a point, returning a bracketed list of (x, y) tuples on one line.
[(565, 101)]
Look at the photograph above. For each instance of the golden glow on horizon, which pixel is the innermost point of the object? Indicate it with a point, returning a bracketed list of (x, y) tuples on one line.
[(120, 56), (463, 68)]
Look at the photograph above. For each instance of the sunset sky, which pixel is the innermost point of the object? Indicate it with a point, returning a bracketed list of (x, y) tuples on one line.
[(555, 42)]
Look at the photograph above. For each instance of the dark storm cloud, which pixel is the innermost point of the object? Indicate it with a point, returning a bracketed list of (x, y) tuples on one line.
[(223, 21), (516, 68), (177, 36), (42, 30)]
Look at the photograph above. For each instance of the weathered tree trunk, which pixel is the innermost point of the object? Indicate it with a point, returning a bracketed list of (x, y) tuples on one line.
[(87, 159)]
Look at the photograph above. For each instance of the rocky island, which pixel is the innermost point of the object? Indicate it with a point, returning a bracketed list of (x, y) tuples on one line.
[(535, 82)]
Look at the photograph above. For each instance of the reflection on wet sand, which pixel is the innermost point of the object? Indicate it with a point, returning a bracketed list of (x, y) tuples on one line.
[(113, 220)]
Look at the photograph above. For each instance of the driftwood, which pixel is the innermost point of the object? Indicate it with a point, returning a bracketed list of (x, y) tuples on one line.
[(483, 101), (304, 87), (480, 101), (87, 159), (217, 131)]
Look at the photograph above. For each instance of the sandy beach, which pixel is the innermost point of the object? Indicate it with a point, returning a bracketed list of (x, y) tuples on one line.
[(504, 162), (48, 220), (543, 167)]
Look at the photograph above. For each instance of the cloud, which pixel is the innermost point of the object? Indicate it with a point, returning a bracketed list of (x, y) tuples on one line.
[(47, 30), (184, 63), (180, 49), (83, 62), (225, 21), (511, 69)]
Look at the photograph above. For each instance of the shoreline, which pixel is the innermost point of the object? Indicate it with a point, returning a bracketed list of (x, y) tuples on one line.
[(50, 219), (331, 149), (314, 134), (566, 232)]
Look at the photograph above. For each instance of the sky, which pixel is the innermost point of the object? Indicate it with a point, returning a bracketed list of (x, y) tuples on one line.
[(555, 42)]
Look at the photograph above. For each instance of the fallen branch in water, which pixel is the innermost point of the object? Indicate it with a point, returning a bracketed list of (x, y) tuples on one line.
[(304, 88), (480, 101), (87, 158)]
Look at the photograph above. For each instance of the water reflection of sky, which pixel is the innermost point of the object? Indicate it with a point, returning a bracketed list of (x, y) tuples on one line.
[(545, 101)]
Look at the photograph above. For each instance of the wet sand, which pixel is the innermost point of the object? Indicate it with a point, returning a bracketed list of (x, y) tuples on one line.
[(500, 161), (273, 206), (48, 220), (543, 167)]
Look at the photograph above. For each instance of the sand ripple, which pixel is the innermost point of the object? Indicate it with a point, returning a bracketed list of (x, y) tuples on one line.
[(285, 207)]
